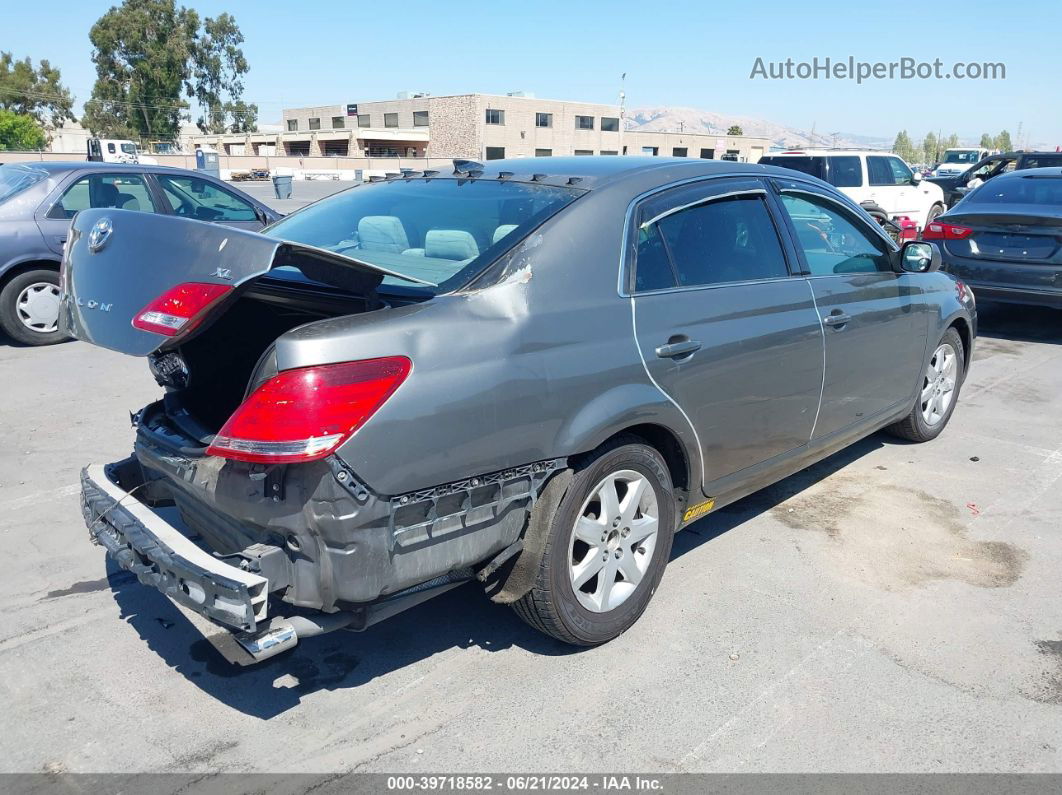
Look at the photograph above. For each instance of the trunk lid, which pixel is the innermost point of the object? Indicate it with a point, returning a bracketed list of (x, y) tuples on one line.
[(119, 261), (1009, 234)]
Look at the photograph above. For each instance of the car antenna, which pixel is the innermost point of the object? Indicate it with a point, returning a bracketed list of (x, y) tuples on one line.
[(467, 167)]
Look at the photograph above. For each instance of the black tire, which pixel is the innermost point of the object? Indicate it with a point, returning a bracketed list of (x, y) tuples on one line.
[(914, 426), (551, 606), (9, 317), (934, 213)]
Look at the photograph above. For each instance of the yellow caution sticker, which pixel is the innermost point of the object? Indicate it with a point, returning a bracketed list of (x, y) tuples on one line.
[(700, 509)]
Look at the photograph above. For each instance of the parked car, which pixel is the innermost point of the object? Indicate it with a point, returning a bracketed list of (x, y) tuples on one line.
[(955, 187), (38, 200), (956, 161), (527, 372), (878, 178), (1005, 238)]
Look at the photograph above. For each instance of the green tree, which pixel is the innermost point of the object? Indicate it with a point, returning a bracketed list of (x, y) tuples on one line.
[(987, 141), (951, 142), (904, 148), (244, 116), (735, 129), (930, 149), (151, 55), (35, 92), (1003, 142), (20, 132)]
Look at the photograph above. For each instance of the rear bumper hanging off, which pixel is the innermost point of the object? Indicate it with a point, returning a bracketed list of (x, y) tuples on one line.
[(140, 541)]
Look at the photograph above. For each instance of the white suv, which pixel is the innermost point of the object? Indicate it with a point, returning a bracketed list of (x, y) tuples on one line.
[(879, 178)]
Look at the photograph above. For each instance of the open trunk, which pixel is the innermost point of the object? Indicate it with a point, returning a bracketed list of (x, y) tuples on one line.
[(119, 263)]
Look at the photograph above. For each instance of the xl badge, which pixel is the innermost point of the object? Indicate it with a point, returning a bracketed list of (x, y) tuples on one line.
[(100, 234)]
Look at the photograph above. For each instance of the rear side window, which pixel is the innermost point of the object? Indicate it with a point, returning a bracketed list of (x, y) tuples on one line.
[(845, 171), (729, 239), (15, 179), (120, 191), (812, 166)]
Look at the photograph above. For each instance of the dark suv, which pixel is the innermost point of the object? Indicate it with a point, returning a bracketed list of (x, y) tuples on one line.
[(956, 187)]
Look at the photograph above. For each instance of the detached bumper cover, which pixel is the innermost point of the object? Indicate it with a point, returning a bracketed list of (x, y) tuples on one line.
[(142, 542)]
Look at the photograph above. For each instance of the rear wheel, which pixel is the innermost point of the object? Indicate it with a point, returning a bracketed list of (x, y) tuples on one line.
[(938, 393), (607, 547), (29, 308), (934, 213)]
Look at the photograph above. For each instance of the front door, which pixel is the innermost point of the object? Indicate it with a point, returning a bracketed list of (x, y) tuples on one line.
[(873, 319), (724, 329), (202, 200)]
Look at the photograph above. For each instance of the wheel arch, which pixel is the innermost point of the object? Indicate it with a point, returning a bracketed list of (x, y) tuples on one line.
[(962, 326), (12, 269)]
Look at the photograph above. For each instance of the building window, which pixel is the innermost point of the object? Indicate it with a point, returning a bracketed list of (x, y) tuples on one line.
[(420, 118), (364, 120), (335, 148), (495, 152), (543, 153), (298, 148), (583, 152), (678, 151), (651, 150), (609, 124), (543, 119), (495, 116), (293, 125), (608, 152), (338, 122), (731, 155), (315, 124), (390, 120), (584, 122), (708, 154)]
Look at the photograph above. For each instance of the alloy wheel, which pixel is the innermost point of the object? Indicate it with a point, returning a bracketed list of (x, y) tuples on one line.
[(613, 540), (938, 386)]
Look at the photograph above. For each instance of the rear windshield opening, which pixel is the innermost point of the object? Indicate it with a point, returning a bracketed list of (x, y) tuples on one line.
[(15, 179), (1027, 190), (441, 231)]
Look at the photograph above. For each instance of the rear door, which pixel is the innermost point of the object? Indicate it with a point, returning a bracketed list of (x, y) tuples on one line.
[(891, 186), (874, 320), (121, 190), (724, 329)]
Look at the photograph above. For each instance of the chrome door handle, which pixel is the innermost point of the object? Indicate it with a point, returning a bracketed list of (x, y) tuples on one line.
[(837, 319), (675, 350)]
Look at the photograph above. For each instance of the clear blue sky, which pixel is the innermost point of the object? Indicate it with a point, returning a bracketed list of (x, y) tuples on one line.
[(674, 53)]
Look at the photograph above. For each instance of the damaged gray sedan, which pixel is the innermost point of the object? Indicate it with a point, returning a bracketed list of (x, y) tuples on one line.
[(526, 373)]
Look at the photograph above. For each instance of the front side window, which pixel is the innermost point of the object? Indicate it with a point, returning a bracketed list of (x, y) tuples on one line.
[(584, 122), (120, 191), (543, 119), (883, 171), (495, 116), (832, 239), (191, 197), (727, 239), (440, 230), (609, 124), (390, 120)]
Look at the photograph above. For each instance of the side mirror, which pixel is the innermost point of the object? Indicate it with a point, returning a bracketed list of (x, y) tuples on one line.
[(916, 177), (919, 256)]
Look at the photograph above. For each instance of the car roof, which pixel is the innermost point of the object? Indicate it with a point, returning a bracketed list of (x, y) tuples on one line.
[(63, 166), (592, 172), (1047, 172), (828, 152)]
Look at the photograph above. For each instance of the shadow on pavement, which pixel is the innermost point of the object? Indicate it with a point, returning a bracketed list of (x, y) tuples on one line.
[(1019, 323)]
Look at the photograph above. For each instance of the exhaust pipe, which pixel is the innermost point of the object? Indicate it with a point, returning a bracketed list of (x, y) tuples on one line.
[(281, 634)]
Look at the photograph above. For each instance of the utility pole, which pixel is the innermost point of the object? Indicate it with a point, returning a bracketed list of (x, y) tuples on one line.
[(623, 105)]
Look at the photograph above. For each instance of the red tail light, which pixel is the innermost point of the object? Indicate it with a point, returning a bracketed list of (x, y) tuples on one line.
[(180, 309), (305, 414), (938, 230)]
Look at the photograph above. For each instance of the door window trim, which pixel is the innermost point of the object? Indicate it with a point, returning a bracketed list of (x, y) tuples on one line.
[(628, 251), (64, 188), (843, 209)]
